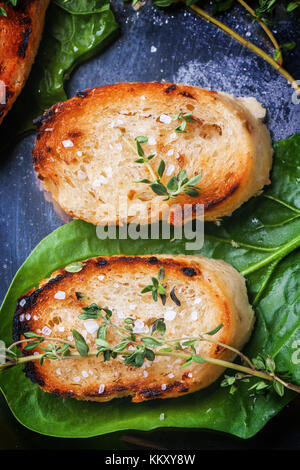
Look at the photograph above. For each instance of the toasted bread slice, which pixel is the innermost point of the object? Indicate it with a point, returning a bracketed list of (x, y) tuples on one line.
[(83, 159), (20, 35), (211, 292)]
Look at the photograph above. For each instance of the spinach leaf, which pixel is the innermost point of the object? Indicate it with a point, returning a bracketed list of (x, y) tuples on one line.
[(266, 230), (75, 30)]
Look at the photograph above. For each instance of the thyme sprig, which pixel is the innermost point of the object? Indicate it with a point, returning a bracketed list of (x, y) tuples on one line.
[(158, 289), (184, 118), (179, 184), (10, 3), (148, 347)]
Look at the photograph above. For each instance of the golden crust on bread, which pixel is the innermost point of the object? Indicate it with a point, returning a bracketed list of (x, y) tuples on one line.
[(82, 159), (20, 35), (210, 291)]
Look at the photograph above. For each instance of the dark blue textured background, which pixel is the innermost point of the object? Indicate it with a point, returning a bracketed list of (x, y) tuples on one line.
[(188, 50)]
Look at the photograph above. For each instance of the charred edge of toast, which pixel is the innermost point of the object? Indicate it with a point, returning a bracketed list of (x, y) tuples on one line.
[(137, 392), (22, 48), (31, 296), (19, 328), (182, 90)]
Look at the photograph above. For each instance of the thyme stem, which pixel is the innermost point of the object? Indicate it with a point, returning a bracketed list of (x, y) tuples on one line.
[(249, 45), (181, 355), (264, 27)]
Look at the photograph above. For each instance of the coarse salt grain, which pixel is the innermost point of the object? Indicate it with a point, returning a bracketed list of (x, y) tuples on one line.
[(197, 300), (67, 143), (162, 416), (27, 316), (60, 295), (173, 136), (101, 389), (145, 373), (79, 153), (22, 303), (101, 278), (58, 371), (46, 331), (190, 375), (143, 97), (132, 307), (138, 326), (130, 348), (84, 374), (194, 315), (176, 155), (170, 170), (151, 141), (76, 379), (153, 49), (35, 317), (91, 326), (81, 175), (170, 315), (119, 146), (108, 171), (171, 376), (61, 328), (170, 153), (165, 118), (163, 387)]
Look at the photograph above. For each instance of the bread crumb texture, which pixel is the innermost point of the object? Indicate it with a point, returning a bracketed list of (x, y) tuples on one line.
[(210, 291)]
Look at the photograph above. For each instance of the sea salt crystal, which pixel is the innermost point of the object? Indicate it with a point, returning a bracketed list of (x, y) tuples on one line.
[(145, 373), (194, 315), (176, 155), (138, 326), (143, 97), (170, 153), (171, 376), (132, 307), (119, 146), (165, 118), (27, 316), (162, 416), (35, 317), (46, 331), (173, 136), (130, 348), (60, 295), (76, 379), (61, 328), (84, 374), (170, 315), (108, 171), (151, 141), (58, 371), (190, 375), (170, 170), (99, 181), (81, 175), (91, 326), (22, 303), (101, 277), (67, 143), (198, 300), (153, 49), (101, 389), (79, 153), (163, 387)]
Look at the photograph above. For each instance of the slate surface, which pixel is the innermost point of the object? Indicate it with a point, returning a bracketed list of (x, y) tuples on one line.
[(186, 49)]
